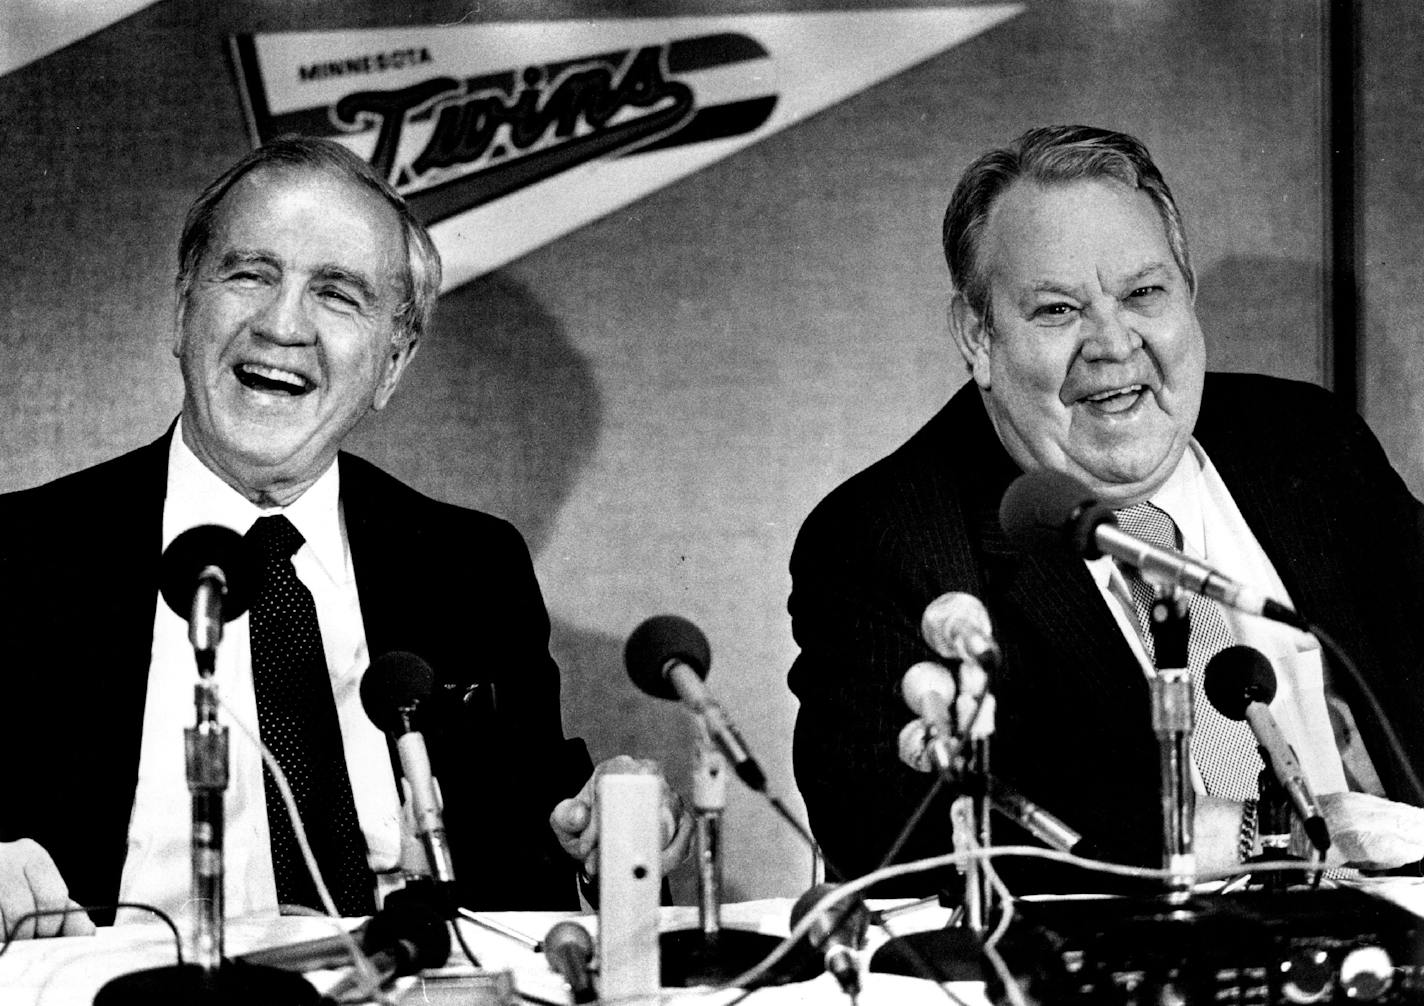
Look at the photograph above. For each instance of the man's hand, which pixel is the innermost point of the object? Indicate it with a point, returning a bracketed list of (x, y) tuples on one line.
[(1370, 832), (29, 881), (575, 820)]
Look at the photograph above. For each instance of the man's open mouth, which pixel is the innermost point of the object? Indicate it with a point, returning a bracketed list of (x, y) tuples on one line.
[(273, 380), (1116, 399)]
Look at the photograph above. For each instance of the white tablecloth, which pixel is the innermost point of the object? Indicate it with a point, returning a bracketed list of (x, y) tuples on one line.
[(70, 971)]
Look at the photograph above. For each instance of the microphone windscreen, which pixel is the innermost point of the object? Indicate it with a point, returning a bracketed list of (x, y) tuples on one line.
[(1236, 677), (951, 617), (414, 931), (928, 689), (851, 920), (569, 950), (658, 641), (197, 549), (1045, 508), (568, 934), (808, 901), (395, 681)]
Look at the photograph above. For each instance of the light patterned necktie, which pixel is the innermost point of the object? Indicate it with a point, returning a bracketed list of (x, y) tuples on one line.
[(1224, 750)]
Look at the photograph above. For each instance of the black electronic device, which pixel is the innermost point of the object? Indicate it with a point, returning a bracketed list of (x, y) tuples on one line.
[(1258, 948)]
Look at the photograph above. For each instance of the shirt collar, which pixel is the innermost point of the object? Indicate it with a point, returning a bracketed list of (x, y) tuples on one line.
[(1180, 496), (197, 495)]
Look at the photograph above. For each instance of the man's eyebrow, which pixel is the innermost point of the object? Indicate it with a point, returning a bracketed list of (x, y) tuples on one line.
[(332, 272), (1151, 269), (1049, 286), (247, 256)]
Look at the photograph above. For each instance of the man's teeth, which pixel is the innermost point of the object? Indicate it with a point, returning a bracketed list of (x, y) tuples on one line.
[(1103, 396), (260, 375)]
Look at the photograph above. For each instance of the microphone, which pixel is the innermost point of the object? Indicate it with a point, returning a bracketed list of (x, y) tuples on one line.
[(207, 578), (1039, 823), (406, 935), (1240, 683), (668, 657), (1044, 508), (956, 626), (928, 689), (569, 949), (391, 691), (837, 934), (916, 751)]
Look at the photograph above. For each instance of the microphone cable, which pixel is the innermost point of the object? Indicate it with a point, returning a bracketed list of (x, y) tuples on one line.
[(42, 913), (464, 946), (877, 918), (918, 814), (1375, 709), (369, 982)]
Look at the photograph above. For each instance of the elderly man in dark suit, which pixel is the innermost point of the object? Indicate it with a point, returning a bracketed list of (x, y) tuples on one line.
[(1073, 310), (305, 286)]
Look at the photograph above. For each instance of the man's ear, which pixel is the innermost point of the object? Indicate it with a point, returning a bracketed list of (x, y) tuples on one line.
[(971, 338), (180, 307), (399, 359)]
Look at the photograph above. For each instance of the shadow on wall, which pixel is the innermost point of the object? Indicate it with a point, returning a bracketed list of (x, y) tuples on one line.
[(500, 412), (1263, 315)]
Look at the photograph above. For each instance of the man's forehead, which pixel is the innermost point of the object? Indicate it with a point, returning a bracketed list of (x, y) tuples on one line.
[(254, 207), (1051, 234)]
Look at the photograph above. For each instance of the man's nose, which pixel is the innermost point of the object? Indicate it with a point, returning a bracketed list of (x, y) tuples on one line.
[(285, 318), (1111, 335)]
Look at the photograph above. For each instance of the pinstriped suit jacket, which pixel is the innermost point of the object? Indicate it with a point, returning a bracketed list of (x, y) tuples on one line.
[(1073, 725)]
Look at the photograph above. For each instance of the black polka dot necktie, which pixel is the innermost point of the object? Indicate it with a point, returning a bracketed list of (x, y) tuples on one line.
[(1224, 750), (296, 717)]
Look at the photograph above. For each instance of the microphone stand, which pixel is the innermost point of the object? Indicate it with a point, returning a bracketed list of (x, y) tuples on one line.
[(974, 806), (209, 979), (1172, 721), (205, 745), (711, 954), (1274, 812), (955, 952)]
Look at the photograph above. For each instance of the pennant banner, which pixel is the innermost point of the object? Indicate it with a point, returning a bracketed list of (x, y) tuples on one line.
[(505, 137)]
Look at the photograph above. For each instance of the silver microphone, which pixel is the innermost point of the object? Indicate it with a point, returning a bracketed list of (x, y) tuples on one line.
[(956, 626)]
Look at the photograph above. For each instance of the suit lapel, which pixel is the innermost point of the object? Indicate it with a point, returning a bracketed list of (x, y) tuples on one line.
[(113, 654), (1049, 592), (1053, 592), (372, 532), (1282, 510), (130, 542)]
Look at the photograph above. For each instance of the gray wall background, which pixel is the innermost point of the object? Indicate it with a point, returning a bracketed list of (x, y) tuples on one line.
[(659, 398)]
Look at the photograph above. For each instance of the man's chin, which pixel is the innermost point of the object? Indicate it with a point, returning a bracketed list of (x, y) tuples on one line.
[(1121, 482), (262, 458)]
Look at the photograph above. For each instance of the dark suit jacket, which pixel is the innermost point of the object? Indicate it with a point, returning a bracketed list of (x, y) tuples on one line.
[(1073, 713), (79, 568)]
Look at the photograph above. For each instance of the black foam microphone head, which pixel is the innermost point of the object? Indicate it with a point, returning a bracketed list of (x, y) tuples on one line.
[(569, 949), (850, 920), (413, 930), (395, 681), (1047, 508), (1236, 677), (659, 640), (194, 551)]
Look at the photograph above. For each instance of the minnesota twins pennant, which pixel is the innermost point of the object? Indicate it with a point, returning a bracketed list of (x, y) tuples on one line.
[(506, 136)]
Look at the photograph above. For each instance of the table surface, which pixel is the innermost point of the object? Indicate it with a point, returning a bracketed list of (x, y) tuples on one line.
[(70, 971)]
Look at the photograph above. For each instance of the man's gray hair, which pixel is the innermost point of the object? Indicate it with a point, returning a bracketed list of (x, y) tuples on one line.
[(1049, 155), (422, 272)]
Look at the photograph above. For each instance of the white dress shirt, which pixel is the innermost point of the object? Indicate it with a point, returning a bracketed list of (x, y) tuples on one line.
[(157, 868), (1214, 532)]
